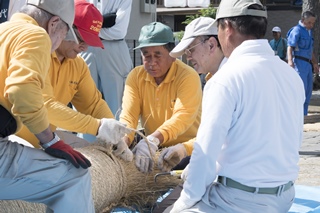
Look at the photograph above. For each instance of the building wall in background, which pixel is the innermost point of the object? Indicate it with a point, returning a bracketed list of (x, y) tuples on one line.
[(285, 19), (277, 16), (138, 19)]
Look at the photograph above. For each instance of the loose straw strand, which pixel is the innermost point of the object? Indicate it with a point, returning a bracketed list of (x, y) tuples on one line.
[(146, 139)]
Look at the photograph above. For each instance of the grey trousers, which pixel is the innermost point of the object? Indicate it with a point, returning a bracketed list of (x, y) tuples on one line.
[(221, 199), (32, 175)]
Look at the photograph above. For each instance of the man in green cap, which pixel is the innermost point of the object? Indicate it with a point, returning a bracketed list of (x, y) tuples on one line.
[(164, 93)]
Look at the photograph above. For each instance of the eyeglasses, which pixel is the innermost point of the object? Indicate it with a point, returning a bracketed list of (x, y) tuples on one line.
[(188, 50), (78, 35)]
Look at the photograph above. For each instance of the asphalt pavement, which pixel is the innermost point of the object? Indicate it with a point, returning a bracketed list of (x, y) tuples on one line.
[(311, 134)]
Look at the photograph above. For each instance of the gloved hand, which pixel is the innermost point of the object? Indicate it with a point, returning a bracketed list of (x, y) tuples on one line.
[(122, 151), (171, 156), (112, 131), (109, 20), (144, 159), (63, 150)]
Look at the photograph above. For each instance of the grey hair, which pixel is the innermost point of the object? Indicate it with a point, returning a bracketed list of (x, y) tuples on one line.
[(41, 16), (307, 14)]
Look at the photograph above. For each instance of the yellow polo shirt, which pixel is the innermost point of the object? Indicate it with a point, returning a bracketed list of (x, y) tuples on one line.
[(25, 50), (173, 107)]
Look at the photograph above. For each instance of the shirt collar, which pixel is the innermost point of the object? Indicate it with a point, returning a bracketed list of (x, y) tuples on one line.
[(170, 74), (23, 17)]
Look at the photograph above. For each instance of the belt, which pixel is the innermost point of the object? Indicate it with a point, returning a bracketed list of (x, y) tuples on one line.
[(303, 58), (273, 191)]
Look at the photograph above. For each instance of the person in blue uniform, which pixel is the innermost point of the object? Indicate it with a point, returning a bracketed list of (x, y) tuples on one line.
[(300, 53)]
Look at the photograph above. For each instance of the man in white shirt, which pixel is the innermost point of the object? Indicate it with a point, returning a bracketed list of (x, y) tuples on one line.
[(252, 123)]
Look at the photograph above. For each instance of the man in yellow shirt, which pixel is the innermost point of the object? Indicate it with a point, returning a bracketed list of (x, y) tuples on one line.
[(53, 175), (69, 80), (164, 93)]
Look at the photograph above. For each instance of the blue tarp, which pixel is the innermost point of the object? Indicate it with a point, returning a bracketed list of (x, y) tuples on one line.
[(307, 199)]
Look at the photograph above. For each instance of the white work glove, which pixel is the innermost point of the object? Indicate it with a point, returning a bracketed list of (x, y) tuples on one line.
[(185, 173), (112, 131), (122, 151), (171, 156), (144, 159)]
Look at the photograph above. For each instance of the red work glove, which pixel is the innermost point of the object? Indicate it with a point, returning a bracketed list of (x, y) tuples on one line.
[(64, 151)]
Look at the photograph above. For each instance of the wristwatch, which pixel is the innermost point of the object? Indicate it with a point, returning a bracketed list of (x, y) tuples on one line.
[(154, 140), (53, 141)]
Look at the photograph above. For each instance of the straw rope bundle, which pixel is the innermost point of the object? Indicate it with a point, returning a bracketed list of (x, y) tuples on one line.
[(114, 183)]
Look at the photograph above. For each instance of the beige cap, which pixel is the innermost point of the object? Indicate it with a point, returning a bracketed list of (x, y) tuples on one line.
[(198, 27), (234, 8), (62, 8)]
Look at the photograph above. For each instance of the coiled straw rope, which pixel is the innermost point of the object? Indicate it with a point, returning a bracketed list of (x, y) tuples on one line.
[(114, 183)]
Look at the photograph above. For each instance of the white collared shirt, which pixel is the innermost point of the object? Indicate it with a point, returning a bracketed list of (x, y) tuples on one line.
[(251, 125)]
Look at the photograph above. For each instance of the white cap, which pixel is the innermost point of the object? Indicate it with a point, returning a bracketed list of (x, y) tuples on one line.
[(234, 8), (198, 27), (62, 8), (276, 29)]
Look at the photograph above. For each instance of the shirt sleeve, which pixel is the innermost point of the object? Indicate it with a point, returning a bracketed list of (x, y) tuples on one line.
[(88, 102), (88, 99), (293, 37), (28, 67), (119, 30), (218, 108), (188, 145), (131, 102)]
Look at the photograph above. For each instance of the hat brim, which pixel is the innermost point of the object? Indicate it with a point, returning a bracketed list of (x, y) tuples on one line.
[(180, 48), (150, 45), (71, 35), (91, 39)]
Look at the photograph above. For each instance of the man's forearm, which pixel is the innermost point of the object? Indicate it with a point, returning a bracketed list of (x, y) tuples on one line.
[(289, 53)]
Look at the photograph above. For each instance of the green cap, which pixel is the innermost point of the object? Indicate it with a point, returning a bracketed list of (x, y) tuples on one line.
[(155, 34)]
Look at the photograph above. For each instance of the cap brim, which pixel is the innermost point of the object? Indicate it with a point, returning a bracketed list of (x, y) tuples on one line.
[(91, 39), (150, 45), (179, 49), (71, 35)]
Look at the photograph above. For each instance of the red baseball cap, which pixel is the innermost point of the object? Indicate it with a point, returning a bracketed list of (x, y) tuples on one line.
[(88, 21)]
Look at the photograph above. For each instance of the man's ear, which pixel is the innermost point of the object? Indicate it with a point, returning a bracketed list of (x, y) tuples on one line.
[(229, 30), (212, 42), (52, 24)]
